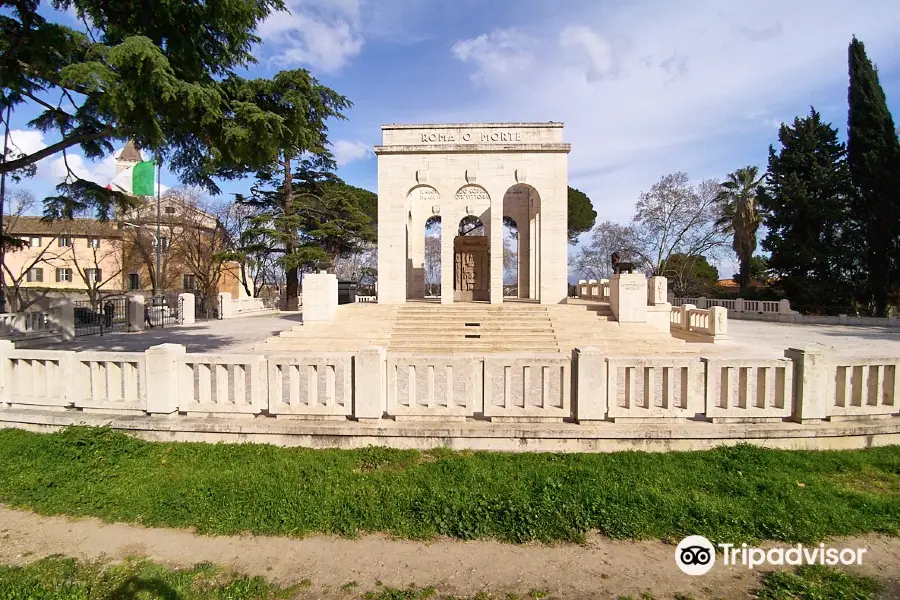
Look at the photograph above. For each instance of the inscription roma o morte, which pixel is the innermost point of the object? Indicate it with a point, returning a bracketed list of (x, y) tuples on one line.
[(476, 137)]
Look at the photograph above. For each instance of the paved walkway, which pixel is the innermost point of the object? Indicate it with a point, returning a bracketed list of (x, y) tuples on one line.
[(230, 335), (747, 338)]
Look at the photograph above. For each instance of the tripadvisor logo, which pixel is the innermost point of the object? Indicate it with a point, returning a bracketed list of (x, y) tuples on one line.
[(696, 555)]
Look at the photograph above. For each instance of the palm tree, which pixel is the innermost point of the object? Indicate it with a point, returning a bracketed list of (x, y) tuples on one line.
[(741, 216)]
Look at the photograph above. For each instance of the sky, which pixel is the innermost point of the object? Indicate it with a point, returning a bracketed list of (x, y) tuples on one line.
[(645, 88)]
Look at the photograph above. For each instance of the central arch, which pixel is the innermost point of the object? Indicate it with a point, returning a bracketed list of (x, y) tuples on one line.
[(472, 245)]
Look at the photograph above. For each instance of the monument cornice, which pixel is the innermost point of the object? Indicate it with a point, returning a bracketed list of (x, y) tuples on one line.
[(517, 125), (473, 148)]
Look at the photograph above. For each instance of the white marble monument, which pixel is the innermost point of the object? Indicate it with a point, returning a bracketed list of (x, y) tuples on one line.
[(484, 170)]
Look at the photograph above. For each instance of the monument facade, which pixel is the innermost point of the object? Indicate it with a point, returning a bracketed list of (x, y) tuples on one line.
[(464, 172)]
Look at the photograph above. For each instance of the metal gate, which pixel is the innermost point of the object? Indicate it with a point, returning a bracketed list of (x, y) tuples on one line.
[(163, 310), (108, 315), (207, 308)]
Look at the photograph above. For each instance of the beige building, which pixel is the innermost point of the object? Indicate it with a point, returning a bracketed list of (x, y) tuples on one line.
[(484, 171)]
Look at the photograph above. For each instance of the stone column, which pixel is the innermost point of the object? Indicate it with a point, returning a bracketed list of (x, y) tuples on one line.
[(136, 313), (369, 384), (812, 377), (590, 384), (739, 305), (448, 236), (225, 306), (628, 297), (162, 377), (496, 248), (320, 296), (784, 307), (686, 316), (187, 307)]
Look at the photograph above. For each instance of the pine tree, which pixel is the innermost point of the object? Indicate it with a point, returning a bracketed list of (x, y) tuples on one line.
[(306, 216), (873, 155), (806, 197)]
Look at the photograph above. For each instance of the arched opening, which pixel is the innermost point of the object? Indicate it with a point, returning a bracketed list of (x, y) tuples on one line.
[(471, 273), (433, 257), (421, 203), (522, 213), (510, 258)]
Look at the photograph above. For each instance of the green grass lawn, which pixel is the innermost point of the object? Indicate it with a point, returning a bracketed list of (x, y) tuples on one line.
[(730, 494), (59, 578)]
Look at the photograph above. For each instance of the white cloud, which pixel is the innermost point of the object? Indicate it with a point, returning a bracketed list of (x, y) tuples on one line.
[(593, 51), (321, 34), (497, 54), (99, 172), (346, 152)]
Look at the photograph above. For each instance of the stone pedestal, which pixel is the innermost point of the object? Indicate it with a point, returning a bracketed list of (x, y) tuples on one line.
[(225, 305), (136, 312), (657, 292), (188, 308), (320, 297), (628, 297)]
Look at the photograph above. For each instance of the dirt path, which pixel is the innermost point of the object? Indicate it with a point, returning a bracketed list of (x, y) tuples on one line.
[(602, 568)]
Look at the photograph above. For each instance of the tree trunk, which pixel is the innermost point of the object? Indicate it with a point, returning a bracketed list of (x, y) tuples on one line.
[(744, 275), (292, 275)]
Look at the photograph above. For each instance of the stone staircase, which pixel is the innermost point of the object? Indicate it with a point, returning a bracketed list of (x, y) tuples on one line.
[(593, 324), (432, 328)]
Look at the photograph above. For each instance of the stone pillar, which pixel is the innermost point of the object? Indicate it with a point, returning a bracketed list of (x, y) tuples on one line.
[(64, 313), (701, 302), (6, 347), (524, 253), (448, 239), (496, 248), (162, 377), (718, 322), (369, 384), (784, 307), (739, 305), (187, 307), (320, 296), (686, 316), (226, 308), (657, 291), (593, 290), (628, 297), (670, 298), (136, 312), (812, 377), (590, 384)]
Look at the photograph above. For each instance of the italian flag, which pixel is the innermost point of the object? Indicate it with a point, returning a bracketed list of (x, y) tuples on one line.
[(136, 180)]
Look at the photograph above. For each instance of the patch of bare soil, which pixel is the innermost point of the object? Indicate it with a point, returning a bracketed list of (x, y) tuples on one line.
[(601, 568)]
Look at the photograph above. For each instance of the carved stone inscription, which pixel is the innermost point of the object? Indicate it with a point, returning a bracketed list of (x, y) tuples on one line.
[(479, 137)]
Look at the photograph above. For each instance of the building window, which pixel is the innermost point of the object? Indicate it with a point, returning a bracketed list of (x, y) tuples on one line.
[(64, 241), (190, 282), (93, 276), (134, 281), (35, 275), (63, 275), (163, 243), (35, 242), (93, 243)]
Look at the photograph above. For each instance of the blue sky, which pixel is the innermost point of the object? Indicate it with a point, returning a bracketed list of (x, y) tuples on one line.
[(644, 88)]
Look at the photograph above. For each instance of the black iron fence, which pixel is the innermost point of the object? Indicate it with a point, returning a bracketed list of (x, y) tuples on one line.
[(162, 310), (207, 308), (108, 315)]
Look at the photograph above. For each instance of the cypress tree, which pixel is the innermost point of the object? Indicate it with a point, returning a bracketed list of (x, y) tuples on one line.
[(807, 205), (873, 156)]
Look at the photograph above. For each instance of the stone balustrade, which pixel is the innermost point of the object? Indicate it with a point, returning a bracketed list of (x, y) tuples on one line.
[(698, 324), (366, 299), (369, 385), (591, 289)]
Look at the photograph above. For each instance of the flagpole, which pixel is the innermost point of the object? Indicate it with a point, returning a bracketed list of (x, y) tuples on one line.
[(158, 248)]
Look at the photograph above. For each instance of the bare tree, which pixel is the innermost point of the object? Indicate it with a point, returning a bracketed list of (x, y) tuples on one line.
[(200, 241), (360, 266), (675, 217), (22, 202), (592, 261), (97, 266)]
